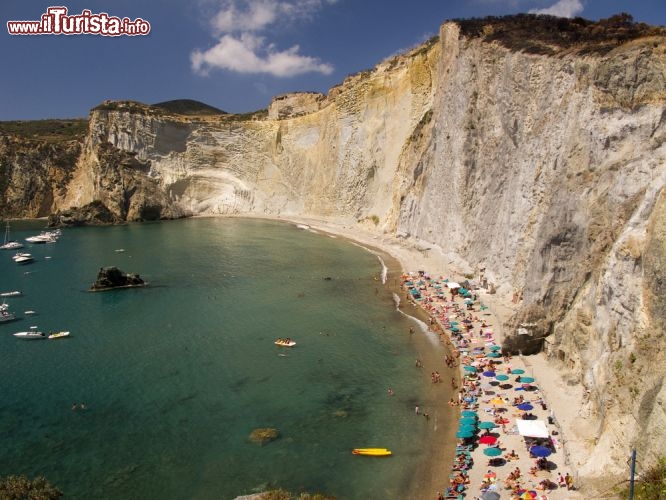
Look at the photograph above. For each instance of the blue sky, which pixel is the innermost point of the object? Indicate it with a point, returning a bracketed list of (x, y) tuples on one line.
[(233, 54)]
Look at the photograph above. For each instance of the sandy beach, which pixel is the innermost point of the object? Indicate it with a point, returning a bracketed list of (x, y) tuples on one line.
[(552, 401)]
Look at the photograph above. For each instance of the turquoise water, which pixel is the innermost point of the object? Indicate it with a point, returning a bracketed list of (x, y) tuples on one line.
[(175, 376)]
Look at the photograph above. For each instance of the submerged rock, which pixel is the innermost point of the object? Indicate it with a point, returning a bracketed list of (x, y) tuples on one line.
[(264, 435), (110, 278)]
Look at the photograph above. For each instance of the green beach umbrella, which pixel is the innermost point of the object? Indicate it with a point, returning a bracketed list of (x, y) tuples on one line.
[(517, 371), (492, 452), (526, 380), (467, 428), (495, 347), (468, 368), (453, 323), (464, 435), (467, 421), (487, 425), (501, 377), (493, 354), (468, 413)]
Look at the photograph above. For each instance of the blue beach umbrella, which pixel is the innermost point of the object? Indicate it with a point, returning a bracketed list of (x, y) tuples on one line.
[(501, 377), (487, 425), (525, 406), (468, 413), (540, 451), (492, 452), (517, 371), (489, 373)]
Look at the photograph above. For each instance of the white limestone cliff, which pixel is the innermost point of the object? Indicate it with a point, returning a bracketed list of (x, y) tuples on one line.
[(547, 170)]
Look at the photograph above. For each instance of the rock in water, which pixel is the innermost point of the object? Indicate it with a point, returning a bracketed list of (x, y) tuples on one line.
[(263, 436), (109, 278)]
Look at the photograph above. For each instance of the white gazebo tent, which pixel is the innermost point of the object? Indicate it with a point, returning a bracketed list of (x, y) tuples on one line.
[(532, 428)]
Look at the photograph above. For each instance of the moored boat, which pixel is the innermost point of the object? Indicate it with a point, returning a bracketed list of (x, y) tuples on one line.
[(10, 244), (285, 342), (22, 258), (32, 334), (58, 335), (372, 452), (14, 293)]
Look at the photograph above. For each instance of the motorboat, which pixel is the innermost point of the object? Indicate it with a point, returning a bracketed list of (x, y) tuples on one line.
[(30, 312), (44, 237), (5, 315), (285, 342), (10, 244), (58, 335), (32, 334), (14, 293), (23, 258)]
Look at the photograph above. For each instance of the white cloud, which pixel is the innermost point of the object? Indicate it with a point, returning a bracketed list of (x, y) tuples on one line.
[(251, 54), (563, 8), (240, 48)]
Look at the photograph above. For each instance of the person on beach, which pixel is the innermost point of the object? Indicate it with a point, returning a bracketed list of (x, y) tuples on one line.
[(390, 392), (417, 410)]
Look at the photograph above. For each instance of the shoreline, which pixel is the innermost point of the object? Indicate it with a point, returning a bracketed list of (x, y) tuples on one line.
[(563, 399)]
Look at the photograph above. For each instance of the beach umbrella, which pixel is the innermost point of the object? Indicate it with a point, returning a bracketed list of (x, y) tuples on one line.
[(464, 434), (505, 386), (487, 425), (501, 377), (528, 495), (489, 373), (497, 401), (493, 354), (453, 323), (525, 406), (492, 452), (487, 439), (540, 451), (468, 413), (526, 380), (453, 284), (469, 301), (455, 329), (467, 428), (490, 495), (469, 368), (517, 371), (468, 421), (495, 348)]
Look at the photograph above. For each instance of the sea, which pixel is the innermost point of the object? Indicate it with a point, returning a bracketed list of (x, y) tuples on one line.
[(157, 389)]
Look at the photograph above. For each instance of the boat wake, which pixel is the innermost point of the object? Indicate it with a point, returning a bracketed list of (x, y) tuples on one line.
[(430, 335)]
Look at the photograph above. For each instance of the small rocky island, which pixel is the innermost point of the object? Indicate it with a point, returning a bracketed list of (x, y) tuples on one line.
[(110, 278)]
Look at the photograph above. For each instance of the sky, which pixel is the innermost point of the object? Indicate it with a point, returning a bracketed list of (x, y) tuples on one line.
[(232, 54)]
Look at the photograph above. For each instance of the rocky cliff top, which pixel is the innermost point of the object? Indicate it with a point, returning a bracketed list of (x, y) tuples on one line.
[(548, 35)]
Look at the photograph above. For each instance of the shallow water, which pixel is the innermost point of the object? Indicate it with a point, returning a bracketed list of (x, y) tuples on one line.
[(175, 376)]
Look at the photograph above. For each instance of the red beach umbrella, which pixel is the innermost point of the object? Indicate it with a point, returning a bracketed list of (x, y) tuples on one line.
[(487, 440)]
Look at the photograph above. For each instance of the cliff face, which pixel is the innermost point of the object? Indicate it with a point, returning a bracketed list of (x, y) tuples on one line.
[(546, 167)]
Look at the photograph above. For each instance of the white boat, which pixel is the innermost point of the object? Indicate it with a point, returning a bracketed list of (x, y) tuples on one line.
[(23, 258), (14, 293), (33, 334), (30, 313), (58, 335), (5, 315), (285, 342), (41, 238), (10, 244)]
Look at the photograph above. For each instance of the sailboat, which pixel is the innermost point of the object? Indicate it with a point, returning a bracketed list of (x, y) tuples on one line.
[(9, 244)]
